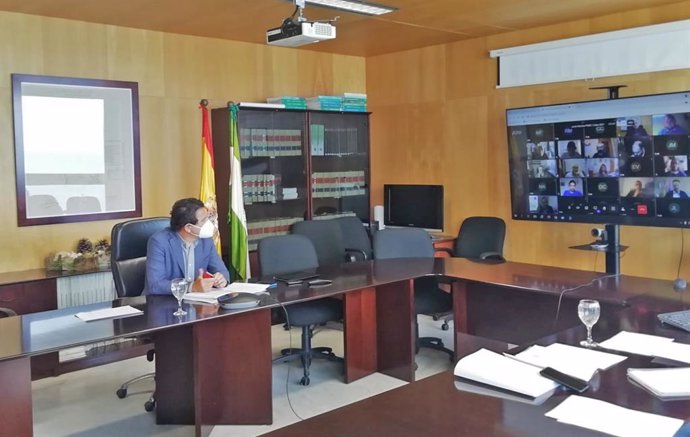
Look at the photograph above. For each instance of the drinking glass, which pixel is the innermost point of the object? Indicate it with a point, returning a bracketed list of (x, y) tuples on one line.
[(588, 310), (179, 287)]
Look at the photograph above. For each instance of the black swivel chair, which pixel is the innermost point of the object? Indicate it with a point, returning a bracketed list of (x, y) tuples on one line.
[(356, 237), (479, 238), (293, 253), (329, 241), (428, 297), (128, 262)]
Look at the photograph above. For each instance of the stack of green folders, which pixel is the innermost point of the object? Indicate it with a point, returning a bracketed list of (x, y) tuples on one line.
[(354, 102), (325, 103), (289, 102)]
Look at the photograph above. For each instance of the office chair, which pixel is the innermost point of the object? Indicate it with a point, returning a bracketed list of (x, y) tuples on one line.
[(428, 297), (128, 262), (479, 238), (328, 240), (292, 253), (356, 237)]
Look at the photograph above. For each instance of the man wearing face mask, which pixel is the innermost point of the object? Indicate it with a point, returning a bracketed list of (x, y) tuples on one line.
[(185, 250)]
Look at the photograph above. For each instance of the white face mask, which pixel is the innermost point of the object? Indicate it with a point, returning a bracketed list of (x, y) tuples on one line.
[(206, 230)]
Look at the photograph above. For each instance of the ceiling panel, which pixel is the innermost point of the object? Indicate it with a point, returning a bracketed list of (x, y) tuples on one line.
[(417, 23)]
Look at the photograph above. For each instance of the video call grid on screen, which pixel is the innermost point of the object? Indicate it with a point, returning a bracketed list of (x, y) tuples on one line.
[(618, 161)]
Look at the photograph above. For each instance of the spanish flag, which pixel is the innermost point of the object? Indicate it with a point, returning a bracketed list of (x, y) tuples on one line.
[(207, 193)]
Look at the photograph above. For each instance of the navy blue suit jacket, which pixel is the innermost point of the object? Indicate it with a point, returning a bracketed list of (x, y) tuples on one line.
[(165, 260)]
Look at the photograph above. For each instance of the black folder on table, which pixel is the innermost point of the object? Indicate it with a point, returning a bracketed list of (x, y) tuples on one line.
[(296, 278)]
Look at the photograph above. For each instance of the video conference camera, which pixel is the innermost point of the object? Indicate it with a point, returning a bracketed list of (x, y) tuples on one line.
[(602, 236), (599, 233)]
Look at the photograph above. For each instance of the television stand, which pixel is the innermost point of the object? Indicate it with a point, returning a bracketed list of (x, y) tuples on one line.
[(612, 249)]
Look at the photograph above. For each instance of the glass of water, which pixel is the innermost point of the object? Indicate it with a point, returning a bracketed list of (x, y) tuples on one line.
[(179, 287), (588, 310)]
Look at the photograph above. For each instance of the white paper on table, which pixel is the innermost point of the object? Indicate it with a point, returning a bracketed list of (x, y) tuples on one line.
[(636, 343), (109, 313), (613, 419), (575, 361), (246, 287), (663, 382), (493, 369), (236, 287), (673, 351), (207, 296)]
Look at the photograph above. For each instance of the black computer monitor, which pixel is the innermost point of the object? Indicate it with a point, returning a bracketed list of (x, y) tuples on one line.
[(416, 206)]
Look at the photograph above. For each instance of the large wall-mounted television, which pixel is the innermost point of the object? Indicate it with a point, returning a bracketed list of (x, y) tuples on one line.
[(417, 206), (621, 161)]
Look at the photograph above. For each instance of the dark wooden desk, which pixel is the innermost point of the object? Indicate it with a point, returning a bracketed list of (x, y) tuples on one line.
[(207, 373), (434, 406)]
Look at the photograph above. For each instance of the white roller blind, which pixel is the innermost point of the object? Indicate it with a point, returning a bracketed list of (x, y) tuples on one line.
[(638, 50)]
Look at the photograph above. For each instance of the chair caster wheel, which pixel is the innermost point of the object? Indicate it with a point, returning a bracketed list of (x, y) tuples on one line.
[(304, 380), (121, 393), (445, 326), (149, 405), (435, 317)]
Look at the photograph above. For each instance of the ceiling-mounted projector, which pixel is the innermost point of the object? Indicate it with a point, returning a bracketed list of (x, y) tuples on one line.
[(297, 31), (299, 34)]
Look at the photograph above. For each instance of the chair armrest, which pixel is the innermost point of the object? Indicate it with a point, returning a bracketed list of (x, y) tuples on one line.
[(352, 257), (444, 249), (491, 256), (6, 312)]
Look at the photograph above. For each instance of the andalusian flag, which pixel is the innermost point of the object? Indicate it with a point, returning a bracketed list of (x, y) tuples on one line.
[(207, 192), (239, 253)]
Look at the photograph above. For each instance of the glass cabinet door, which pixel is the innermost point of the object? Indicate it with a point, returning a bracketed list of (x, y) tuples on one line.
[(274, 182), (339, 165)]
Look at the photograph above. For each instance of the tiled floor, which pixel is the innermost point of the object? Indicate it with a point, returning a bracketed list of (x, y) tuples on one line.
[(84, 403)]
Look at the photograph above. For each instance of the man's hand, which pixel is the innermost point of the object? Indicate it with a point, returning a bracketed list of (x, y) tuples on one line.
[(201, 283), (219, 280)]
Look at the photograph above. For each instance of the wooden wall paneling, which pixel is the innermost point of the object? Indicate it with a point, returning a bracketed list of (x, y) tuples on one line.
[(136, 55), (174, 73), (469, 163), (412, 76), (21, 45), (77, 53), (476, 178), (347, 74)]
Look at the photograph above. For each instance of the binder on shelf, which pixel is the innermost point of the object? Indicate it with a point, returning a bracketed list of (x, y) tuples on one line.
[(316, 139)]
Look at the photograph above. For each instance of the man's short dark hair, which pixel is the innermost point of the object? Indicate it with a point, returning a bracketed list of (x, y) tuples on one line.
[(671, 117), (183, 212), (571, 144), (676, 180)]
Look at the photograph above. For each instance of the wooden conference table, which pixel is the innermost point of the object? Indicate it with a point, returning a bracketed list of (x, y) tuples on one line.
[(435, 406), (214, 366)]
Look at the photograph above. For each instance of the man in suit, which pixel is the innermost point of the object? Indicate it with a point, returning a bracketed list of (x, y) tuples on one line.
[(185, 250), (676, 192)]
